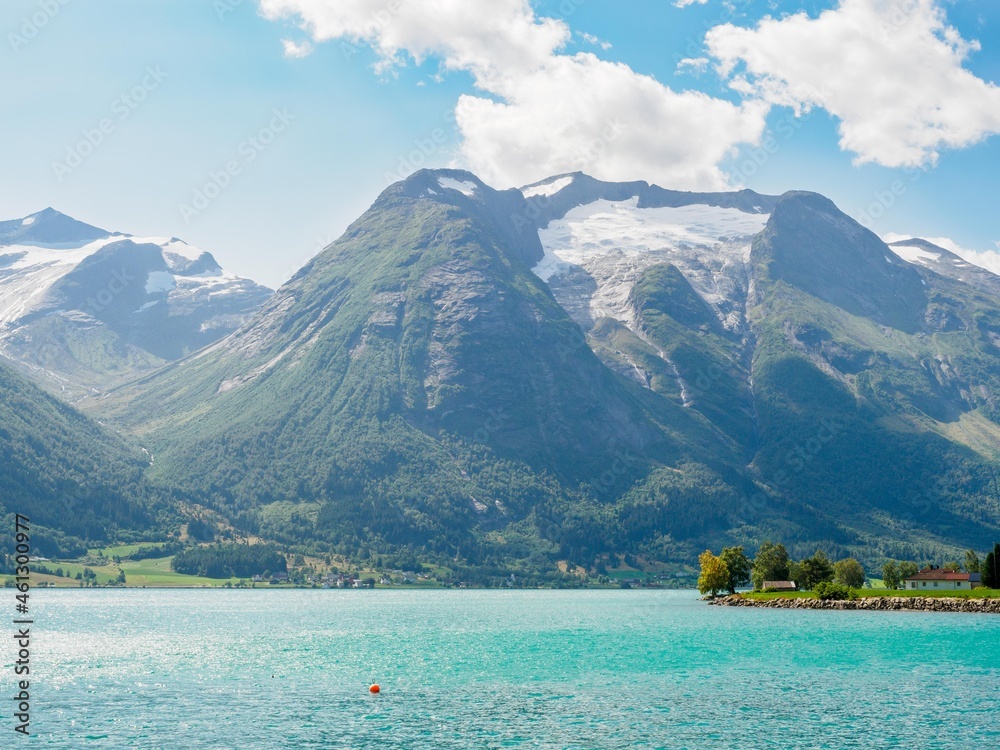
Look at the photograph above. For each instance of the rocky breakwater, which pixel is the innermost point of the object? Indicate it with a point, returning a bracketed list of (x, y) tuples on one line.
[(874, 603)]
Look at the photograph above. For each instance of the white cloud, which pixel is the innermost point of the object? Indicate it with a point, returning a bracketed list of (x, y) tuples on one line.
[(296, 49), (547, 112), (584, 114), (889, 70), (686, 3), (481, 36), (596, 41), (697, 64)]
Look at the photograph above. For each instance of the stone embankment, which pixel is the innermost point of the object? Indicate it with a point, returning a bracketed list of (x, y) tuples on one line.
[(873, 603)]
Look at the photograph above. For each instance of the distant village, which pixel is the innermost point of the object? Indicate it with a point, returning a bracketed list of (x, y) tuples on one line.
[(347, 580)]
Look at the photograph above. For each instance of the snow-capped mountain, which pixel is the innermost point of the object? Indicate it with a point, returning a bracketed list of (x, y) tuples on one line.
[(946, 263), (597, 368), (84, 309), (599, 239), (597, 249)]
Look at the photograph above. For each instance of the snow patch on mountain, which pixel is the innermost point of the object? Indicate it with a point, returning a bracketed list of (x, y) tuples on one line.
[(913, 254), (27, 272), (548, 188), (160, 281), (179, 255), (62, 280), (463, 186), (985, 259), (596, 253)]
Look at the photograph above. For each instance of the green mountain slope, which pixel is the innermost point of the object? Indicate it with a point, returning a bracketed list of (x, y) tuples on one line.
[(71, 477), (872, 381), (417, 386)]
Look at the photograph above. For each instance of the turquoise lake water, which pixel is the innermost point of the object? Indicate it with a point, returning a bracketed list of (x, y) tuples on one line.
[(496, 669)]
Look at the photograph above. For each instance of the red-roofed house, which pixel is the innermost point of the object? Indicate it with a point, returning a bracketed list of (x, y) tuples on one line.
[(933, 578)]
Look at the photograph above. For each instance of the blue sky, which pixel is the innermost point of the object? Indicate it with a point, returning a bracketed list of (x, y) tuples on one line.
[(184, 88)]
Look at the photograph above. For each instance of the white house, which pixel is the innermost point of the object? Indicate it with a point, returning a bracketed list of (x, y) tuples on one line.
[(936, 579)]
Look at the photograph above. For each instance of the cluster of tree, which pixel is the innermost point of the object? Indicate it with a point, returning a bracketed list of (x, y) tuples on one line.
[(828, 590), (230, 561), (988, 566), (895, 573), (732, 569), (45, 542), (725, 572), (201, 530), (74, 479), (774, 564)]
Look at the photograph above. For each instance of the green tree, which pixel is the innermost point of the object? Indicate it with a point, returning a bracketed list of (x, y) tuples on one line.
[(836, 591), (201, 530), (907, 569), (121, 576), (771, 564), (952, 566), (794, 571), (849, 572), (738, 565), (890, 575), (972, 562), (714, 574), (816, 569), (991, 574)]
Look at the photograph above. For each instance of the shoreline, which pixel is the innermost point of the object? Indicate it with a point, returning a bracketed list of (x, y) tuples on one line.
[(871, 604)]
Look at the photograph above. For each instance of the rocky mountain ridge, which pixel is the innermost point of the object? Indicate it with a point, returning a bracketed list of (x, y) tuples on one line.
[(84, 309)]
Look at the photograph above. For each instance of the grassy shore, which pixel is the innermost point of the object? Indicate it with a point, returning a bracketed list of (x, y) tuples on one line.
[(157, 572), (103, 566), (151, 572), (973, 594)]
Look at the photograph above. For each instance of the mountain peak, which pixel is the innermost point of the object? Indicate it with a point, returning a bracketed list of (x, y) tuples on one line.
[(925, 254), (811, 244), (445, 182), (922, 244), (809, 199), (138, 301), (49, 227)]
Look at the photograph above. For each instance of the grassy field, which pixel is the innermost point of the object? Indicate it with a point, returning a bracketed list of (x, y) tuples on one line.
[(152, 572), (156, 572), (973, 594), (122, 550)]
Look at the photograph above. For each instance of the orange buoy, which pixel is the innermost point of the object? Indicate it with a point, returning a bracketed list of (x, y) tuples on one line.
[(374, 689)]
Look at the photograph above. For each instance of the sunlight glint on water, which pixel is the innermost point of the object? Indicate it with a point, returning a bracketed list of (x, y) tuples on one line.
[(536, 669)]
